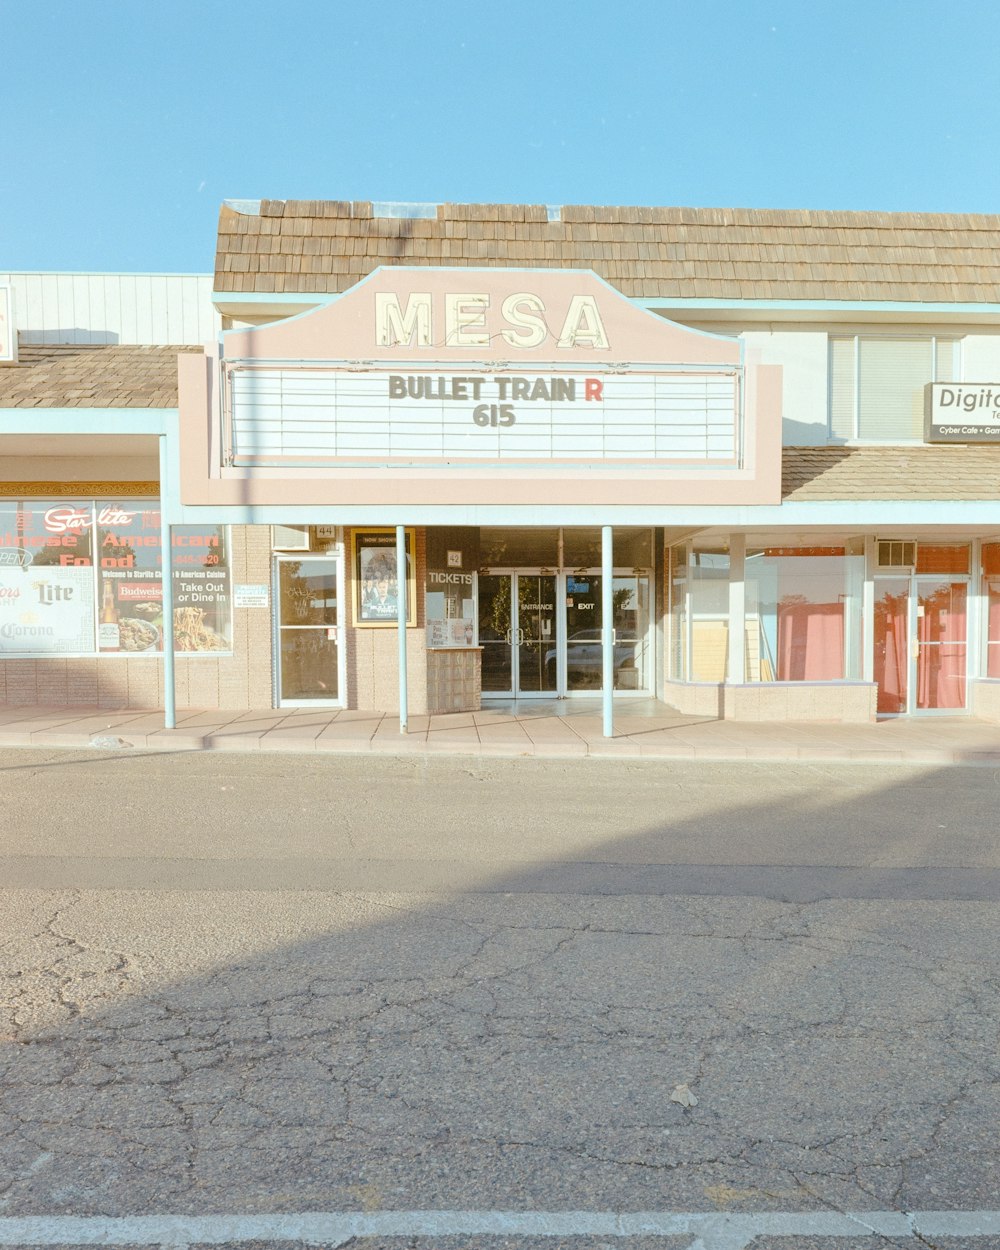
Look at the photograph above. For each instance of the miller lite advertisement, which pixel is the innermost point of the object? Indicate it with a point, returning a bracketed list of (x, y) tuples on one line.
[(48, 609)]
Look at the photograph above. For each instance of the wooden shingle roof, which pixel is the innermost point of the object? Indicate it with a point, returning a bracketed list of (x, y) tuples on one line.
[(327, 246), (942, 472), (91, 376)]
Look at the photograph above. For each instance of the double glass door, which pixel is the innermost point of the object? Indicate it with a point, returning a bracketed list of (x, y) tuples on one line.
[(308, 668), (541, 633), (921, 644), (517, 631)]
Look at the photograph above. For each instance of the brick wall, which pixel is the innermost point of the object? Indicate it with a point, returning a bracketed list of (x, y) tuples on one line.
[(373, 655)]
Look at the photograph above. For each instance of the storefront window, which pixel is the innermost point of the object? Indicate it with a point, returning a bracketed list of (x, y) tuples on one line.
[(802, 612), (991, 593), (84, 577), (450, 586), (942, 557), (708, 623), (47, 592), (633, 548), (699, 614), (519, 548), (678, 651), (581, 547), (796, 617)]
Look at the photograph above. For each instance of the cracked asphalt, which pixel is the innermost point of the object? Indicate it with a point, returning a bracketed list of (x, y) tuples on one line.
[(265, 984)]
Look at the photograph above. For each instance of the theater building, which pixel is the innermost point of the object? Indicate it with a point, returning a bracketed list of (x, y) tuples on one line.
[(416, 458)]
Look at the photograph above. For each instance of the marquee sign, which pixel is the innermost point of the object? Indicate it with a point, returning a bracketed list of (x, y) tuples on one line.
[(962, 412), (339, 413), (503, 366)]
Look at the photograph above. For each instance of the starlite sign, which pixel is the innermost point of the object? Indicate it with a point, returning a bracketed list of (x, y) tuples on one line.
[(962, 412)]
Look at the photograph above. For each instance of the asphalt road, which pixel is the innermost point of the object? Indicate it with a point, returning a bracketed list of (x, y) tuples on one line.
[(247, 984)]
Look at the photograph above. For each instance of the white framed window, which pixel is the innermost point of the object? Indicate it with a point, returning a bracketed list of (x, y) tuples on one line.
[(877, 384), (290, 537)]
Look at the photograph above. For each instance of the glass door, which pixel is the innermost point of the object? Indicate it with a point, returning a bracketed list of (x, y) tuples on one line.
[(892, 644), (307, 627), (940, 652), (496, 632), (921, 644), (537, 649), (584, 618), (517, 631)]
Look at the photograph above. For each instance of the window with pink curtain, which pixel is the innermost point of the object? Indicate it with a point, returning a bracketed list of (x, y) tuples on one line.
[(796, 613), (991, 590)]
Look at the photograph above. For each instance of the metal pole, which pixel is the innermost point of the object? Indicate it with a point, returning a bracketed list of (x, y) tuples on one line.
[(608, 627), (401, 587), (167, 596)]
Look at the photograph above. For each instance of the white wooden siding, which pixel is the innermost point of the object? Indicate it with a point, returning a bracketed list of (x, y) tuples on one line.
[(146, 308)]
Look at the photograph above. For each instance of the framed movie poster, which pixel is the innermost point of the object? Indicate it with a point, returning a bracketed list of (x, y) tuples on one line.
[(376, 578)]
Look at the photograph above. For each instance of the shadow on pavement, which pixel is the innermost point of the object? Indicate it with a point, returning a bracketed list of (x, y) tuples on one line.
[(415, 984)]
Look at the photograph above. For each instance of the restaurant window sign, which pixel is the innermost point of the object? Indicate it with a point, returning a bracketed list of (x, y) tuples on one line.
[(84, 577)]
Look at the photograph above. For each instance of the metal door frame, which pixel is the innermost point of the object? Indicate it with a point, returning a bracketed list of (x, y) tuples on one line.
[(515, 629), (561, 690), (648, 691), (915, 579), (912, 640), (305, 557)]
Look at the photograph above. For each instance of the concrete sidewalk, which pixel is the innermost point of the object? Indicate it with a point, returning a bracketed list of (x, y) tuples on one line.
[(643, 728)]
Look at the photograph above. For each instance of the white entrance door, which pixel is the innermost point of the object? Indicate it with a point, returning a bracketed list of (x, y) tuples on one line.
[(307, 624)]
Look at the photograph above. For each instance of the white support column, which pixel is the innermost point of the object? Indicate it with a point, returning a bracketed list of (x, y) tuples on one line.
[(167, 595), (402, 583), (608, 630), (737, 610), (868, 613), (975, 618)]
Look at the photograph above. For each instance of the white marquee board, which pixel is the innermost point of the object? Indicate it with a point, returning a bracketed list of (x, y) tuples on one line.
[(308, 414)]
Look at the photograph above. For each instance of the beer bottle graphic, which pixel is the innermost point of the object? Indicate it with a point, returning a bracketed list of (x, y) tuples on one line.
[(109, 636)]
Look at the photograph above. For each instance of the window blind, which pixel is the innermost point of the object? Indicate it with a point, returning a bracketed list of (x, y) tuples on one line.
[(891, 378), (842, 392), (877, 384)]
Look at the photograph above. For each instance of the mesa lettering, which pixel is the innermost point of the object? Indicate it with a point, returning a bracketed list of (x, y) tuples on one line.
[(469, 321)]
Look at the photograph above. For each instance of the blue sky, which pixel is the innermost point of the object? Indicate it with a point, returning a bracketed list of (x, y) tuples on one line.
[(129, 123)]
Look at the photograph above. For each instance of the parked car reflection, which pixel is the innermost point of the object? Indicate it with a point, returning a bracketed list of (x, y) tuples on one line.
[(585, 660)]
